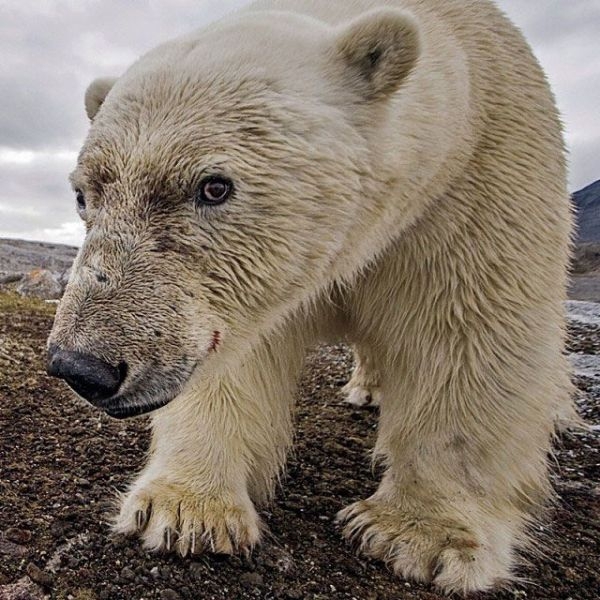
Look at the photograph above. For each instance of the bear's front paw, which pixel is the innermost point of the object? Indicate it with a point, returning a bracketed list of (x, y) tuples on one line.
[(172, 517), (436, 550)]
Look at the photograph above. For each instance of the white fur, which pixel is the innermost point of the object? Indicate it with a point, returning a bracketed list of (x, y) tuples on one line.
[(418, 211)]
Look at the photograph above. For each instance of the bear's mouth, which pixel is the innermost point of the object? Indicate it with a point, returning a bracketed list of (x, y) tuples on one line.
[(125, 411), (147, 393)]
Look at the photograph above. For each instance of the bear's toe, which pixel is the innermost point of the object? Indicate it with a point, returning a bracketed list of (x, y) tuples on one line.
[(170, 518), (463, 571)]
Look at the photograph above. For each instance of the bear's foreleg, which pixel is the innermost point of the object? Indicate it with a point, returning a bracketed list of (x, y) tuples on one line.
[(466, 421), (215, 451), (466, 475)]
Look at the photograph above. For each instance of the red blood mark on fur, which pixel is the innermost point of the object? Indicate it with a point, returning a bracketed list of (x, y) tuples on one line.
[(216, 340)]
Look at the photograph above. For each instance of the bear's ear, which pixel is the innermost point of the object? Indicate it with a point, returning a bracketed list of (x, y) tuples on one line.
[(96, 93), (379, 49)]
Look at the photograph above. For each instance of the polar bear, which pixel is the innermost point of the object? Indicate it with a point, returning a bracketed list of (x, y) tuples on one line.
[(386, 172)]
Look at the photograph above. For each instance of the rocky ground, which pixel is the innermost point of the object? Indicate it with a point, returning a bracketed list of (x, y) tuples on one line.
[(35, 269), (585, 279), (19, 256), (62, 462)]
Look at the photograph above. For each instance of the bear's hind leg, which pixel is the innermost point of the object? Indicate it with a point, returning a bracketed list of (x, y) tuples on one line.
[(363, 387)]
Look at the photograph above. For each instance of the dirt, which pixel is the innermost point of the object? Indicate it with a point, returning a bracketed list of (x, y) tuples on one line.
[(61, 463)]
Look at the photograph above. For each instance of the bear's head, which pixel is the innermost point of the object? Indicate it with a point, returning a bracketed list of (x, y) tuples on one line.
[(227, 179)]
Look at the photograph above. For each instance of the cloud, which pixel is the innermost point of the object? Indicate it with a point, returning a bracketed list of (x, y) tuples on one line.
[(35, 193), (554, 22), (70, 233), (13, 156), (52, 49)]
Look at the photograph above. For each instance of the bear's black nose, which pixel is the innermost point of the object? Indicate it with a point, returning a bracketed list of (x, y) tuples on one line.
[(91, 377)]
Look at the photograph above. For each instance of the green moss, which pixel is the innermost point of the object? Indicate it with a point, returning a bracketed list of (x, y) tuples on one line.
[(11, 302)]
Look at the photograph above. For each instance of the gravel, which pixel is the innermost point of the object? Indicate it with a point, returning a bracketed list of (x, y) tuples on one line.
[(62, 462)]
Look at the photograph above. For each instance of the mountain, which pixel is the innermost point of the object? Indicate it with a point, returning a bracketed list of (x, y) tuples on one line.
[(587, 207)]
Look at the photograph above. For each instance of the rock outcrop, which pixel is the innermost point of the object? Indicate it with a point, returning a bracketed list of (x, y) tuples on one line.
[(41, 283)]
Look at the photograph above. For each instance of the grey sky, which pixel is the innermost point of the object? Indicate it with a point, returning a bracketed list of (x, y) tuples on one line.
[(52, 49)]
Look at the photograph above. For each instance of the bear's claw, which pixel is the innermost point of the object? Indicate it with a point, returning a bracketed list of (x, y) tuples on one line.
[(171, 518), (140, 520)]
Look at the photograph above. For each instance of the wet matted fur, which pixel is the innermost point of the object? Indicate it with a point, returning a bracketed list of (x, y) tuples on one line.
[(398, 182)]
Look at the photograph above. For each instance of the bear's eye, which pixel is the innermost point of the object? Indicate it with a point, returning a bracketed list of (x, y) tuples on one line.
[(214, 190), (80, 200)]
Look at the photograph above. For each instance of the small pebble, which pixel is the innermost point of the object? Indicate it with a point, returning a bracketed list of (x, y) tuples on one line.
[(198, 570), (11, 549), (251, 579), (127, 574), (18, 536), (39, 576), (23, 589)]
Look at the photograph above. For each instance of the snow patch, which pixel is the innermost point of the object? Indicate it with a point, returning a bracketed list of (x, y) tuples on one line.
[(586, 365), (583, 313)]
